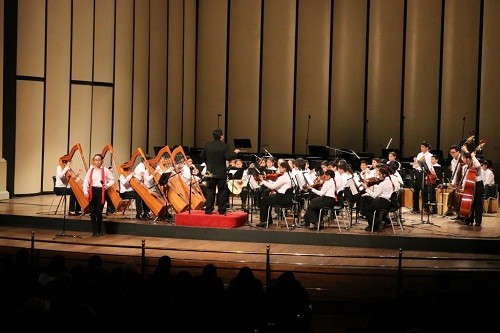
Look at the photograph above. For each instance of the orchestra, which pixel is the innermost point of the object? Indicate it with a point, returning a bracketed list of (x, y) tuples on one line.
[(462, 179)]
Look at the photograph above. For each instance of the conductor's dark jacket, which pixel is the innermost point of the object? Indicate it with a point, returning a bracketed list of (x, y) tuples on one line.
[(215, 154)]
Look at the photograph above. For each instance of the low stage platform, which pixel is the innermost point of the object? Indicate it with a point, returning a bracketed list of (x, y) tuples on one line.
[(421, 233)]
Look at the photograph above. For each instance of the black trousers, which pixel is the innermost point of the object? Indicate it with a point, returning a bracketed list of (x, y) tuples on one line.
[(96, 207), (370, 205), (140, 205), (272, 200), (220, 185), (477, 204), (312, 211)]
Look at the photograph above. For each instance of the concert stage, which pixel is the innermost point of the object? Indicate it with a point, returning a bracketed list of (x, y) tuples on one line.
[(441, 234)]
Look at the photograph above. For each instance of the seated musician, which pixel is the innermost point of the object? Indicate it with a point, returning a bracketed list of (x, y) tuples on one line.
[(325, 197), (62, 187), (488, 175), (238, 181), (377, 197), (283, 192), (471, 163), (191, 173), (142, 174), (127, 192)]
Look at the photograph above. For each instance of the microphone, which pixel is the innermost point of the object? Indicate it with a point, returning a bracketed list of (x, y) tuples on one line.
[(309, 116)]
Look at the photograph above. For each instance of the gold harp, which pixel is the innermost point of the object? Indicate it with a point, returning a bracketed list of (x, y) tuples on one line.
[(178, 192), (75, 178), (197, 197), (155, 202), (109, 161)]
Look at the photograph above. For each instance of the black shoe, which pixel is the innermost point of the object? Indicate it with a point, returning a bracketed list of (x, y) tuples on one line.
[(261, 224), (415, 211), (208, 212), (102, 234), (138, 216), (302, 223), (145, 216), (222, 212), (368, 228), (95, 235)]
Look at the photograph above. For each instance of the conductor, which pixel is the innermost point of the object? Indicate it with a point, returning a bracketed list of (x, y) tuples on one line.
[(216, 154)]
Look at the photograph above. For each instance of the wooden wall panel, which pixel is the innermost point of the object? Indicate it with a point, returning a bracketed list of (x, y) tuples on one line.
[(460, 64), (82, 47), (29, 139), (104, 40), (313, 65), (421, 93), (158, 75), (102, 107), (189, 74), (211, 71), (175, 72), (244, 71), (348, 74), (384, 73), (490, 83), (141, 83), (31, 38), (80, 118), (278, 75), (122, 122), (57, 87)]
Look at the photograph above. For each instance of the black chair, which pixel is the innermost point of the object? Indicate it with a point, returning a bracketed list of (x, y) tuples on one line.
[(392, 213), (58, 192), (281, 210)]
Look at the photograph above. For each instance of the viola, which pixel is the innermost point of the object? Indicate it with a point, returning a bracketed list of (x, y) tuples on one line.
[(272, 176), (373, 181)]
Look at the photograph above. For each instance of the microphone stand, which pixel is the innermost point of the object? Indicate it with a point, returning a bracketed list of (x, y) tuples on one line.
[(342, 151), (307, 135), (63, 232)]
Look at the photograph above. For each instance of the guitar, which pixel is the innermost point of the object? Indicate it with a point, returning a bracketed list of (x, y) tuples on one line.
[(236, 185)]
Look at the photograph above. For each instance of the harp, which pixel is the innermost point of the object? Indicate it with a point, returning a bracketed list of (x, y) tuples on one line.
[(178, 192), (156, 202), (75, 178), (197, 197), (109, 161)]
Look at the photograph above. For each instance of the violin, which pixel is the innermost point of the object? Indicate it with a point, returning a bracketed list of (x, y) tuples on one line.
[(430, 178), (373, 181), (319, 181), (272, 176)]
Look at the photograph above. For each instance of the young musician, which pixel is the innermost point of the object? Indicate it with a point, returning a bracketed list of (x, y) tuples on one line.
[(488, 175), (127, 192), (476, 207), (62, 187), (423, 157), (379, 197), (283, 188), (97, 180), (326, 197)]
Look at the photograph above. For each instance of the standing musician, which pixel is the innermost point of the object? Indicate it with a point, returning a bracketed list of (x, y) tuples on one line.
[(471, 163), (97, 180), (431, 180), (283, 192), (456, 171), (423, 157)]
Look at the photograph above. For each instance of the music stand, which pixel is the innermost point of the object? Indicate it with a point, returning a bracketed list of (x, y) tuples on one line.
[(63, 232), (163, 181), (242, 143), (425, 171)]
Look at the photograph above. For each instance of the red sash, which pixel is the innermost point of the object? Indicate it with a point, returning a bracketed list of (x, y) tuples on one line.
[(90, 185)]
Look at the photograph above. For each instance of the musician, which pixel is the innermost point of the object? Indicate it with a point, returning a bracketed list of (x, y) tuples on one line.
[(97, 180), (392, 156), (190, 172), (325, 197), (283, 188), (216, 154), (470, 162), (429, 191), (488, 175), (365, 169), (379, 197), (62, 187), (127, 192), (455, 168), (423, 157), (143, 175)]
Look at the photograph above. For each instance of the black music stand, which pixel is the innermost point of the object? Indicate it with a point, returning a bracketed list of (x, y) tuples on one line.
[(425, 171), (63, 232), (163, 181)]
